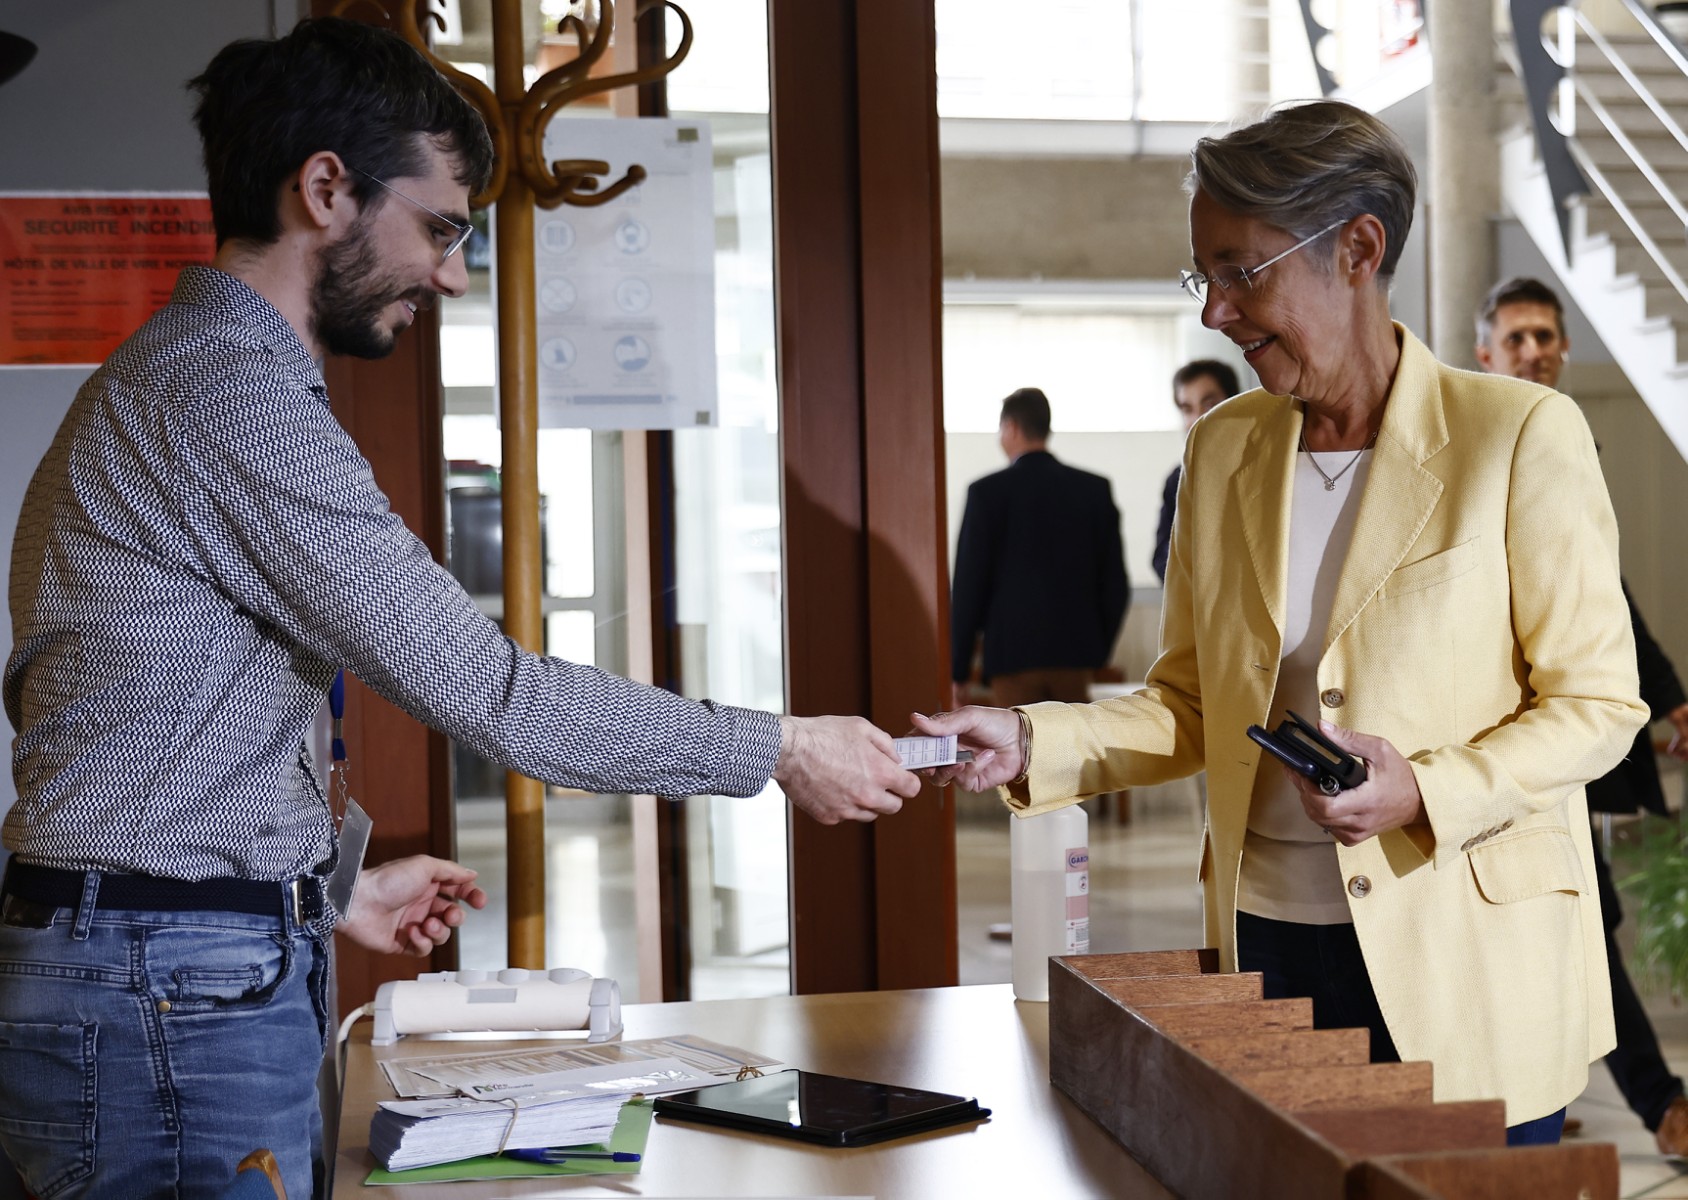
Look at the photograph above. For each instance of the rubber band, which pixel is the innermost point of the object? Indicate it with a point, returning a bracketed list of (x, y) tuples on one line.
[(515, 1111)]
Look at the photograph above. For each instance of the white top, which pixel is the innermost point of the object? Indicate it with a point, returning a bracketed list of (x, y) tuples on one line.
[(1289, 867)]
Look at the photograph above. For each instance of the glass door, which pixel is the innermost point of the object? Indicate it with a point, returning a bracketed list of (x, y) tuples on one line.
[(724, 555), (728, 593)]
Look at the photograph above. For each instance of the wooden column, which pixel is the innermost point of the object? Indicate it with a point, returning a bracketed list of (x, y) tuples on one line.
[(903, 419), (518, 413), (672, 953), (858, 293)]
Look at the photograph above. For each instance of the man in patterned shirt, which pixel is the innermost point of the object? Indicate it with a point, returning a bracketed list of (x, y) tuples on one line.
[(201, 549)]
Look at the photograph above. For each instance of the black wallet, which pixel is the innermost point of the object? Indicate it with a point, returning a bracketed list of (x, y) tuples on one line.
[(1304, 750)]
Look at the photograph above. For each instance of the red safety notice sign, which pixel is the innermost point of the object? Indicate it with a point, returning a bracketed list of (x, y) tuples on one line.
[(78, 274)]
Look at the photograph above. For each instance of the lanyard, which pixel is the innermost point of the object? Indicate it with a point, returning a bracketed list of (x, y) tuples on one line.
[(337, 706), (337, 743), (352, 822)]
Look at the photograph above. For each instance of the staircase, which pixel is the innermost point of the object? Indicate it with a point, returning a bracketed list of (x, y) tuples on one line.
[(1615, 130)]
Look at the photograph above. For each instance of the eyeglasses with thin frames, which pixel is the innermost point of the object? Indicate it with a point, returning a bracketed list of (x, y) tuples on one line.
[(463, 231), (1227, 277)]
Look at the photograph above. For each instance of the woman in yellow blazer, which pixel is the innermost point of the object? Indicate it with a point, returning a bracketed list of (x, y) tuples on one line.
[(1425, 560)]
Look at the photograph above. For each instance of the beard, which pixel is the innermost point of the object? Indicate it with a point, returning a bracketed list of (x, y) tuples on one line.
[(348, 297)]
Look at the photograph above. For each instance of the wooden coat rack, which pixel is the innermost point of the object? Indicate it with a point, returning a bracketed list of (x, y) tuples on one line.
[(517, 117)]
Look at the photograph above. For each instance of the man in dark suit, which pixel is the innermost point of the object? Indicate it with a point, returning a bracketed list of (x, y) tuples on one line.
[(1039, 569), (1521, 332), (1196, 387)]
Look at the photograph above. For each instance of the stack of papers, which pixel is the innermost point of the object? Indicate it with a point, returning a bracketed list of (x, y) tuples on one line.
[(421, 1133), (632, 1132), (517, 1112)]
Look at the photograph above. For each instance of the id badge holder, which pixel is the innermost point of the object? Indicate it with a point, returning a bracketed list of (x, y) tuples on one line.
[(355, 827), (355, 824)]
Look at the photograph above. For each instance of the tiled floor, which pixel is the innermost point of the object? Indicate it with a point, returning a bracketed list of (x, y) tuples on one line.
[(1641, 1169), (1143, 897)]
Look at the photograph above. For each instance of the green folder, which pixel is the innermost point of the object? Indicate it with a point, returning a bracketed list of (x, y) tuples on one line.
[(632, 1129)]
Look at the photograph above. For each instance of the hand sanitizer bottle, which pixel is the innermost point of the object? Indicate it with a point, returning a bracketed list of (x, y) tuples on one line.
[(1050, 894)]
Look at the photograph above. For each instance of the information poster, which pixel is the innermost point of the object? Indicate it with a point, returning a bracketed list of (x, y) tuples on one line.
[(79, 273), (626, 313)]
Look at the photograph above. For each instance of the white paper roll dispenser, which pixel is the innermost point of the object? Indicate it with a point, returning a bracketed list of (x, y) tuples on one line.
[(510, 1001)]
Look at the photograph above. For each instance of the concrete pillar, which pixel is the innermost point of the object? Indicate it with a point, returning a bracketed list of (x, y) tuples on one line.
[(1464, 175)]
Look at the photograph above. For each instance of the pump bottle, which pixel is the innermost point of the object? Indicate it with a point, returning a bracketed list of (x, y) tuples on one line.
[(1049, 857)]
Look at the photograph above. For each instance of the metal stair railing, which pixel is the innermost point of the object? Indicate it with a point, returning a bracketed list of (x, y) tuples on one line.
[(1553, 87)]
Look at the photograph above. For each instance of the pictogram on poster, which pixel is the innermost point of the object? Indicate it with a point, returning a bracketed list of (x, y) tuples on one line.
[(626, 314), (79, 273)]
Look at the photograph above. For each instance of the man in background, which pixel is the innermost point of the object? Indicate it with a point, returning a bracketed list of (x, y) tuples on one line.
[(1196, 387), (1039, 569), (1521, 332)]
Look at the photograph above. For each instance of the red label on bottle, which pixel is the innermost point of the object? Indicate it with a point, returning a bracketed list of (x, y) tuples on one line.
[(1078, 897)]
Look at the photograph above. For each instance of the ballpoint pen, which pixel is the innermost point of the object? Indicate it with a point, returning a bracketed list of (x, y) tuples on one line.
[(552, 1155)]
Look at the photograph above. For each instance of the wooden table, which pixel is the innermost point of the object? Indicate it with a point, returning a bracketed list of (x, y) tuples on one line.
[(974, 1041)]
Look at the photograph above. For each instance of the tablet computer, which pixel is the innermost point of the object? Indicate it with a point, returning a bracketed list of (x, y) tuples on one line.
[(826, 1109)]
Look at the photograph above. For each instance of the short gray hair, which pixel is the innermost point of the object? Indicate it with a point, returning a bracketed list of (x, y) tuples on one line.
[(1308, 166)]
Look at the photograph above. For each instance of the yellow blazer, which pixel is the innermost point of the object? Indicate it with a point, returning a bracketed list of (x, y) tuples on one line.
[(1480, 627)]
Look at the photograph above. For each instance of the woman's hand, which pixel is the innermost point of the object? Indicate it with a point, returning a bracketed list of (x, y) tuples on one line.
[(1388, 799), (992, 734)]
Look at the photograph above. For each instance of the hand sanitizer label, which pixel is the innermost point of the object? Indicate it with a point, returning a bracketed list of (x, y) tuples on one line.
[(1078, 901)]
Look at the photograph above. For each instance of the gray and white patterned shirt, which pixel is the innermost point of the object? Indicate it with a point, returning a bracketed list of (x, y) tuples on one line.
[(199, 551)]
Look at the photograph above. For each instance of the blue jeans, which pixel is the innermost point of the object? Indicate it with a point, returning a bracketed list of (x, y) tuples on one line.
[(1543, 1131), (144, 1054), (1325, 963)]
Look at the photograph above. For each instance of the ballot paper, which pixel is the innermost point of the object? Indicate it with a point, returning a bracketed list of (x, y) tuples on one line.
[(918, 753), (564, 1108), (420, 1076), (652, 1077)]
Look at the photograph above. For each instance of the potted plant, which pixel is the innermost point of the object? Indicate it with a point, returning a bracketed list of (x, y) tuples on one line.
[(1653, 873)]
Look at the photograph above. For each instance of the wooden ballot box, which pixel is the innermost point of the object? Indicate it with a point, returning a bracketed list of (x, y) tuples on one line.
[(1210, 1087)]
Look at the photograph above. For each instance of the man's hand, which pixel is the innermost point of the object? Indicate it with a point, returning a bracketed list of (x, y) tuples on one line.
[(1678, 718), (410, 905), (992, 734), (1388, 799), (841, 769)]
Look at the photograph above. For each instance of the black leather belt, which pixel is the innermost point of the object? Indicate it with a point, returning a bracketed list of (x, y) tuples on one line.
[(300, 897)]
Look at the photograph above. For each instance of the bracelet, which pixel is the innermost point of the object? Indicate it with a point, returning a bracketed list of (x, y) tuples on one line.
[(1025, 749)]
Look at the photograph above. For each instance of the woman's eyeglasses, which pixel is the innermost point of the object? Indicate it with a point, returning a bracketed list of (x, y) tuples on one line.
[(1228, 277)]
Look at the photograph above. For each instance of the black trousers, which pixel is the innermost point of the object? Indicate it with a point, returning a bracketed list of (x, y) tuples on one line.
[(1322, 962), (1637, 1066)]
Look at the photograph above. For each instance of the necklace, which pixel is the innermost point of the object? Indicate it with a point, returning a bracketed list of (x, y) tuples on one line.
[(1330, 480)]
